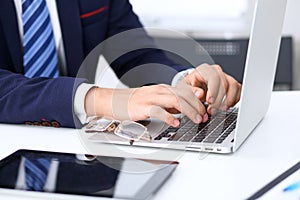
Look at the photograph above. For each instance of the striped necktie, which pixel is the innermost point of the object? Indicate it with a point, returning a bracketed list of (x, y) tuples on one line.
[(36, 172), (40, 58)]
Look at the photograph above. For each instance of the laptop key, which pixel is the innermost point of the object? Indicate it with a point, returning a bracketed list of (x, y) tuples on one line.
[(210, 140), (219, 141), (208, 132), (177, 135), (187, 137), (198, 139)]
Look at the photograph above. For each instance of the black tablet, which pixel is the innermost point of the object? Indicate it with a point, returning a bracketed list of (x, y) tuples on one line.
[(29, 172)]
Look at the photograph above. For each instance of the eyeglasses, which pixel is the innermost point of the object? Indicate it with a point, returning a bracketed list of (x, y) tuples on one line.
[(130, 130)]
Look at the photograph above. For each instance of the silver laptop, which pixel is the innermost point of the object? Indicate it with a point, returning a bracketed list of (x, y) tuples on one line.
[(226, 131)]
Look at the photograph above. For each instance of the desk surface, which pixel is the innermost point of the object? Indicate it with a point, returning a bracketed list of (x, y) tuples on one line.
[(271, 149)]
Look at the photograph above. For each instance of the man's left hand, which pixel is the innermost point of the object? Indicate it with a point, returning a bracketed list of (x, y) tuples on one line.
[(210, 84)]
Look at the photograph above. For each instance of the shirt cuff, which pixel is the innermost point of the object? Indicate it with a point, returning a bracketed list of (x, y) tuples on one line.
[(180, 75), (79, 99)]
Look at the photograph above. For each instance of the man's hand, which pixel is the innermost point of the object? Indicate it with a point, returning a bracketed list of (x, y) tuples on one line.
[(212, 85), (159, 101), (206, 83)]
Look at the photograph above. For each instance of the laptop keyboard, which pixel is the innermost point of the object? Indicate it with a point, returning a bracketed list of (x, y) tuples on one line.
[(215, 130)]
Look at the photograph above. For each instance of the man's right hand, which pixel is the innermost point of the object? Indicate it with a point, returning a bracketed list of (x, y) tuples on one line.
[(158, 101)]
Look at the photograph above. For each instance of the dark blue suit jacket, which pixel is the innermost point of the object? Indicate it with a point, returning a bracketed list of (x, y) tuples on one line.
[(84, 25)]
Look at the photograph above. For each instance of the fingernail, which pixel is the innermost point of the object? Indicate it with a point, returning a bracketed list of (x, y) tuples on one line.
[(205, 117), (176, 122), (211, 100), (224, 108), (198, 119), (213, 111), (197, 93)]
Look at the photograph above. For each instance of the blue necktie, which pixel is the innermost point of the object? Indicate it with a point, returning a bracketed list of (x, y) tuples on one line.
[(36, 172), (40, 58)]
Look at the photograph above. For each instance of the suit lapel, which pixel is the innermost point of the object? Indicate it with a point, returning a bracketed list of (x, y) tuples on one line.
[(69, 16), (8, 18)]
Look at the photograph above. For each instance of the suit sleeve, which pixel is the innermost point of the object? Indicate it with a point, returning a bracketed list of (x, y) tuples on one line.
[(23, 99), (122, 18)]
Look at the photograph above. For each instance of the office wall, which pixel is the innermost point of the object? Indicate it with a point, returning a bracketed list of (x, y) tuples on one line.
[(238, 28)]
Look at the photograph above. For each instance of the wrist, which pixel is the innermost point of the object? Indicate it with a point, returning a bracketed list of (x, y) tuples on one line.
[(98, 102), (79, 101), (180, 75)]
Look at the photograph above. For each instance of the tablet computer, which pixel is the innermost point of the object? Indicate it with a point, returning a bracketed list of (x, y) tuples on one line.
[(53, 175)]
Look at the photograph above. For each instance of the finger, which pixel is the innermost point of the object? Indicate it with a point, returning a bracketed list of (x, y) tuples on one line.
[(172, 101), (214, 81), (239, 93), (199, 93), (163, 115), (172, 111), (223, 88), (190, 112), (182, 99), (233, 94), (198, 114), (187, 93)]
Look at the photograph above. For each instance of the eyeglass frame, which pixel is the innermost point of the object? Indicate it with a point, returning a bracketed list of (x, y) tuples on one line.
[(115, 126)]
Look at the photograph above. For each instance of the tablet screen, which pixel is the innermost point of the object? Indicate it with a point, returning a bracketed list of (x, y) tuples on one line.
[(76, 174)]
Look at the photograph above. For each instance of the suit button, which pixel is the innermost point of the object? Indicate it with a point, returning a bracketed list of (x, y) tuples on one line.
[(46, 123), (55, 124), (28, 123), (37, 123)]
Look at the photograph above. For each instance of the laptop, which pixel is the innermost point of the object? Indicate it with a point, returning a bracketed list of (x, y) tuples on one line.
[(226, 131)]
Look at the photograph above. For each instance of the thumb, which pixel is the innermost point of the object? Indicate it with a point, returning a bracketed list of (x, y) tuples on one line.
[(199, 93)]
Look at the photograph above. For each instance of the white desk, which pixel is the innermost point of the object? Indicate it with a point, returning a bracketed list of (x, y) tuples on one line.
[(273, 147)]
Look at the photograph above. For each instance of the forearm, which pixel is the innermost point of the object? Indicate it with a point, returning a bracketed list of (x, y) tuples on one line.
[(34, 100), (91, 100)]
